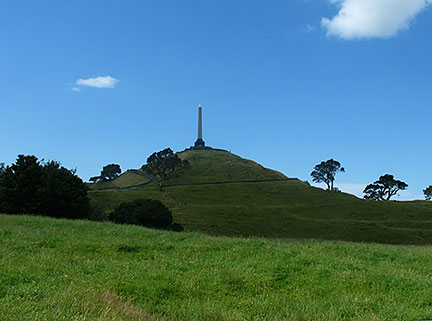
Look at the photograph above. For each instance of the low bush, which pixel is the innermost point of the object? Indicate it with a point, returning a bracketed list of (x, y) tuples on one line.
[(148, 213)]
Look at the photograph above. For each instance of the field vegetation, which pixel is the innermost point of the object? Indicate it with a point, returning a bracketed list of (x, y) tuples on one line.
[(56, 269)]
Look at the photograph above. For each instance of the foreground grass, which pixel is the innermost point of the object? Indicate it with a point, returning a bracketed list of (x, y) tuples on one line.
[(77, 270)]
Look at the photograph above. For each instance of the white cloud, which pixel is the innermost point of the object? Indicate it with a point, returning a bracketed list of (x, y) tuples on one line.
[(98, 82), (76, 89), (372, 18)]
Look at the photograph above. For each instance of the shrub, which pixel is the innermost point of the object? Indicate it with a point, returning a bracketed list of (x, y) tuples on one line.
[(148, 213)]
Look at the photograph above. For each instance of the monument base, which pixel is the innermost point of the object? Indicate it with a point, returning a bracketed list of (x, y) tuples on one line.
[(199, 143)]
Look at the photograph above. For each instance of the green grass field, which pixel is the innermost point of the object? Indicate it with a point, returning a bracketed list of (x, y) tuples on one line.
[(77, 270)]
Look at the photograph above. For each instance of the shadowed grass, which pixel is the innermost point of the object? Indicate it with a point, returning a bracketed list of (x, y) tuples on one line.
[(285, 209)]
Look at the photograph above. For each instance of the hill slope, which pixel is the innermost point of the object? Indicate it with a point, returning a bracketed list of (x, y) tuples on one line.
[(277, 209), (126, 180), (77, 270), (219, 166)]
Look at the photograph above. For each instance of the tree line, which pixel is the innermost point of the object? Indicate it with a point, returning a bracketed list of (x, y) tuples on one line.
[(382, 189), (33, 186)]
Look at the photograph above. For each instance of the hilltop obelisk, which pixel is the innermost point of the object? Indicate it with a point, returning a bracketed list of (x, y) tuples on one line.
[(199, 142)]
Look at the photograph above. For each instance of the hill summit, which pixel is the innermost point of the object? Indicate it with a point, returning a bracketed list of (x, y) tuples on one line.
[(216, 165)]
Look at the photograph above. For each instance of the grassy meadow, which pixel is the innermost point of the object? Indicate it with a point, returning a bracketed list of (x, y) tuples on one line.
[(78, 270)]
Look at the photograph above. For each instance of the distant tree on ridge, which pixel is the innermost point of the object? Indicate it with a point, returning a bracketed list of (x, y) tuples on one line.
[(428, 193), (95, 179), (111, 171), (384, 188), (325, 172)]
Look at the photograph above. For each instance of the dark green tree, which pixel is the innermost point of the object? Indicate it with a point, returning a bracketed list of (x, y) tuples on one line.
[(32, 187), (64, 193), (2, 168), (325, 172), (384, 188), (95, 179), (163, 163), (428, 193), (148, 213), (111, 171), (21, 185)]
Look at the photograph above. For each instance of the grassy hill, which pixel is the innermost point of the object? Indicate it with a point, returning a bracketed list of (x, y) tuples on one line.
[(219, 166), (127, 179), (78, 270), (280, 209)]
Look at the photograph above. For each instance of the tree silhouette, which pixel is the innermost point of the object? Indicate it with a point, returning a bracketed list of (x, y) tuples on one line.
[(111, 171), (33, 187), (325, 172), (384, 188), (428, 193), (95, 179)]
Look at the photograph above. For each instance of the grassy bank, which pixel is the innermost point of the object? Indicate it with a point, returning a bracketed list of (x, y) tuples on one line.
[(284, 210), (77, 270)]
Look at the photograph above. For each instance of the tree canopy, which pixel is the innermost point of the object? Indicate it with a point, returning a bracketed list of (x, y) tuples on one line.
[(384, 188), (111, 171), (428, 193), (32, 187), (163, 163), (95, 179), (325, 172)]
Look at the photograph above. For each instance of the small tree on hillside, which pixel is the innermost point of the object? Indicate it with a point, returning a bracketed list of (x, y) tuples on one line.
[(95, 179), (111, 171), (163, 163), (325, 172), (428, 193), (2, 168), (384, 188)]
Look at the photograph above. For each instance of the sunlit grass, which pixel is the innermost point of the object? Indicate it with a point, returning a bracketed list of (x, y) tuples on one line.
[(77, 270)]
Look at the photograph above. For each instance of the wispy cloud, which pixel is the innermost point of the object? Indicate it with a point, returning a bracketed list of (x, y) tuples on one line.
[(76, 89), (309, 28), (98, 82), (372, 18)]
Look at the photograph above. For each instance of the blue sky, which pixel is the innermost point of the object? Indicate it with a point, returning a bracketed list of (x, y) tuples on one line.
[(285, 83)]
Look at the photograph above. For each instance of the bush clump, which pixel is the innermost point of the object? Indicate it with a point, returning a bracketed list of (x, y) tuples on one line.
[(148, 213), (30, 186)]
